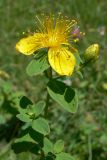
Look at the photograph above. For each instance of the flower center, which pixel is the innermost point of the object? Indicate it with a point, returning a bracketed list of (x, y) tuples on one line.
[(55, 39)]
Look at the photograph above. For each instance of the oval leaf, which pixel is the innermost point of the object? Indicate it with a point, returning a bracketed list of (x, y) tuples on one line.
[(25, 102), (37, 65), (64, 156), (36, 109), (59, 146), (39, 107), (41, 126), (23, 117), (64, 95), (48, 146)]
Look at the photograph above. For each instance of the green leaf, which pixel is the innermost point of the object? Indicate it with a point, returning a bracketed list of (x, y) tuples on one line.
[(26, 138), (59, 146), (7, 87), (25, 144), (64, 156), (36, 136), (25, 147), (38, 64), (2, 119), (24, 102), (23, 117), (41, 126), (48, 146), (15, 97), (37, 109), (64, 95), (103, 139)]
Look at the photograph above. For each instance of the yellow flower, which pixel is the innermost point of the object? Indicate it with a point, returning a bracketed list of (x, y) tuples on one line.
[(56, 35)]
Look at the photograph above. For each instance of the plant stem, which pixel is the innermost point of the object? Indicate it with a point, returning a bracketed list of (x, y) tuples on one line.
[(89, 147), (85, 64), (49, 75), (47, 105), (42, 156)]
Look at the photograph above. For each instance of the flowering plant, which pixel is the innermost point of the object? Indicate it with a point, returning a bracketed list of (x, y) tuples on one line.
[(54, 52)]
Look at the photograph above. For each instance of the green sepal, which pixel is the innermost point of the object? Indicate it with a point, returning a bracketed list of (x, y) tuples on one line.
[(78, 58), (80, 74)]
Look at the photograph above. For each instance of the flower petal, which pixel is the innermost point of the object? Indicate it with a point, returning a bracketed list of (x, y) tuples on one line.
[(61, 60), (30, 44)]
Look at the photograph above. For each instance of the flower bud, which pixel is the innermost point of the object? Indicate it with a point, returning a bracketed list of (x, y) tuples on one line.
[(92, 52)]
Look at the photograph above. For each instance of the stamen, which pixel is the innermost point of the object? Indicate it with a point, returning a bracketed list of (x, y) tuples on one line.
[(58, 29)]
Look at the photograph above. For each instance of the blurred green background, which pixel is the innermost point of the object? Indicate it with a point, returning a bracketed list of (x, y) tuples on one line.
[(84, 133)]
